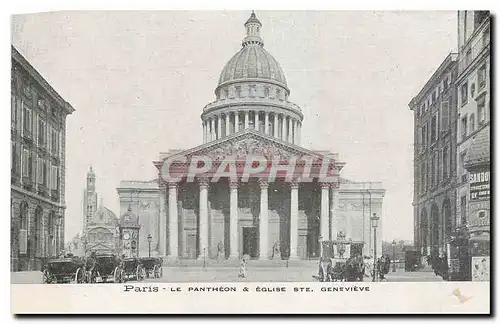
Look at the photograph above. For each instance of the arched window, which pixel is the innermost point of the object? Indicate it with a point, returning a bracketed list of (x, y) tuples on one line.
[(38, 238), (472, 124), (238, 92), (266, 92)]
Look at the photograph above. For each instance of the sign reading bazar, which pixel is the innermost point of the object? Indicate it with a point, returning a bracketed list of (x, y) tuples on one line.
[(479, 182), (303, 169)]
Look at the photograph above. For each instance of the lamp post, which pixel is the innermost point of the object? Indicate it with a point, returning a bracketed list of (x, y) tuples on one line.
[(374, 221), (149, 244), (393, 255)]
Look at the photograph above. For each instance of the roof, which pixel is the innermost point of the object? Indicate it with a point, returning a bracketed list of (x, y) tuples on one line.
[(479, 151)]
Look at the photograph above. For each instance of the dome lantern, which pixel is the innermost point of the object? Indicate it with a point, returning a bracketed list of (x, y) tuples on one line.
[(253, 26)]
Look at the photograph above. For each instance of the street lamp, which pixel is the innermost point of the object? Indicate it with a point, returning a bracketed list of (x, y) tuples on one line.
[(149, 244), (393, 255), (374, 221)]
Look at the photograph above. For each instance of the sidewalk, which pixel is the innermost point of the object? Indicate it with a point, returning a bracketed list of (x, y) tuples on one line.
[(26, 277)]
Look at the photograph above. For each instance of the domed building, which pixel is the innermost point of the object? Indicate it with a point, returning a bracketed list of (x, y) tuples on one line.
[(203, 215), (100, 224)]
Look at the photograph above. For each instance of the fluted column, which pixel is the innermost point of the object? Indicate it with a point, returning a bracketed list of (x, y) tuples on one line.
[(233, 220), (246, 119), (275, 134), (266, 123), (162, 242), (294, 219), (236, 122), (227, 131), (325, 233), (173, 224), (256, 120), (204, 132), (203, 229), (264, 221), (334, 204), (285, 129), (212, 131), (219, 127)]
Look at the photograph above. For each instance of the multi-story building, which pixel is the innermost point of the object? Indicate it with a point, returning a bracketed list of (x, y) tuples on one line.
[(38, 140), (473, 150), (435, 116)]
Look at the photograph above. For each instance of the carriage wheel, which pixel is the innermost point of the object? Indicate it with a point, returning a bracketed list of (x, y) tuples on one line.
[(138, 273), (160, 272), (155, 271), (116, 275), (79, 276)]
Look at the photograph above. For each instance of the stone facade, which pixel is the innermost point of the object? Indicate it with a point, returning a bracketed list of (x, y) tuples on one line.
[(264, 219), (38, 140), (435, 114)]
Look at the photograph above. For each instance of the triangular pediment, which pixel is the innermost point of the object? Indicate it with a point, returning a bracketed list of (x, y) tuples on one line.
[(249, 142)]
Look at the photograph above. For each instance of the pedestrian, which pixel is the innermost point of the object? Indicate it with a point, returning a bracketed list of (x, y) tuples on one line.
[(220, 251), (243, 267)]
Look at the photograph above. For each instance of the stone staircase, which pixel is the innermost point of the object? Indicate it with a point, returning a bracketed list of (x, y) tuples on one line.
[(232, 263)]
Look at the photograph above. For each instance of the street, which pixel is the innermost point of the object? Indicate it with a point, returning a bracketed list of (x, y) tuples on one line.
[(227, 274)]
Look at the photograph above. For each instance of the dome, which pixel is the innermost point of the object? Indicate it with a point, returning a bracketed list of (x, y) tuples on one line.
[(252, 61)]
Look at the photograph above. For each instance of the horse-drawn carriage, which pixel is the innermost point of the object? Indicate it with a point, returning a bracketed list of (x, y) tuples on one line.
[(152, 267), (104, 267), (132, 269), (339, 269), (64, 270)]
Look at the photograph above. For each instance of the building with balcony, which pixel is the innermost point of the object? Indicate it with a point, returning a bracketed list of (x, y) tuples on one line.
[(473, 84), (435, 115), (38, 141)]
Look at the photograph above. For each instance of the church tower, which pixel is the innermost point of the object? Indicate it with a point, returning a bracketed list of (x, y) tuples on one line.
[(89, 199)]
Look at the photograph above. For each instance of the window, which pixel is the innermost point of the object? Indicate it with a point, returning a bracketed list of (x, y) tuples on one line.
[(464, 93), (481, 111), (266, 92), (445, 83), (445, 115), (53, 178), (472, 123), (465, 27), (468, 56), (13, 166), (27, 119), (479, 17), (54, 146), (26, 159), (41, 132), (463, 210), (433, 97), (278, 94), (464, 127), (422, 178), (463, 171), (13, 110), (434, 128), (446, 164), (486, 36), (424, 137), (481, 76), (481, 214), (238, 92), (433, 170)]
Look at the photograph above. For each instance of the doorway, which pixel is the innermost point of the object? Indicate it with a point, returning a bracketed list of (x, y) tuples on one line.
[(250, 241)]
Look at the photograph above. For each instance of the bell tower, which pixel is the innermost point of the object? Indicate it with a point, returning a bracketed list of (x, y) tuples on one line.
[(89, 199)]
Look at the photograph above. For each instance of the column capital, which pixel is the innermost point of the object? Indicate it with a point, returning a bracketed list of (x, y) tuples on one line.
[(264, 184), (203, 182), (294, 185), (233, 184), (172, 185), (325, 185)]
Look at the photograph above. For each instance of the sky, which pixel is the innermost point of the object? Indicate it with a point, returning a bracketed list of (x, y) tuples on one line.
[(140, 79)]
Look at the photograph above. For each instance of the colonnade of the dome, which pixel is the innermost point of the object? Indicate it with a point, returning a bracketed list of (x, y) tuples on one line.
[(278, 125)]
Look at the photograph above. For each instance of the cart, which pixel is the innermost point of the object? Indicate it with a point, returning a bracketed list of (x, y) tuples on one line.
[(107, 268), (64, 270), (152, 267), (132, 269)]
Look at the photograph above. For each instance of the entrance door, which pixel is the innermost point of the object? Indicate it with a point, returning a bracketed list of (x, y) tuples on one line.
[(250, 242), (191, 246)]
